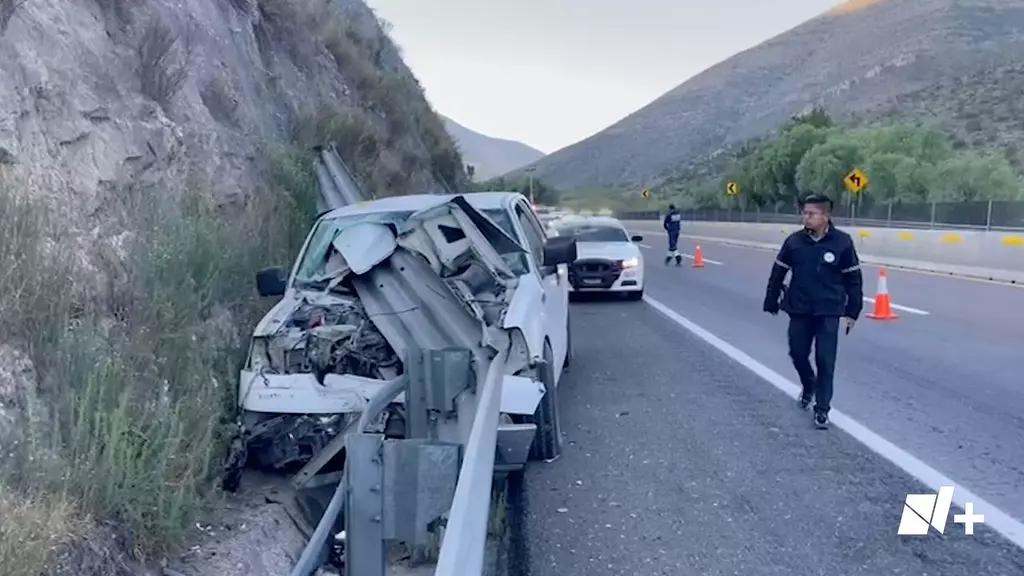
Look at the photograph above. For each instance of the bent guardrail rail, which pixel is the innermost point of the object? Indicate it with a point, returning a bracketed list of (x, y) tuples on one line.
[(397, 488)]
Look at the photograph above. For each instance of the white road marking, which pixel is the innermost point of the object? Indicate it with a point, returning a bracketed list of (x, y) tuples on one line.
[(690, 256), (998, 520), (904, 308), (742, 244), (708, 260)]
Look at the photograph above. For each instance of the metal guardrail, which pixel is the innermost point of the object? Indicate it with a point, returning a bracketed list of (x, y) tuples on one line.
[(987, 215), (392, 488), (984, 215), (462, 550)]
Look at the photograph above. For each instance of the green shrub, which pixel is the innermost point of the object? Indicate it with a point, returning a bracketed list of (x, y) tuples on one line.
[(142, 394)]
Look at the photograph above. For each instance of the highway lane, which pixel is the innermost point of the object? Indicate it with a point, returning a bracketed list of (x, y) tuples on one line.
[(947, 387), (680, 461)]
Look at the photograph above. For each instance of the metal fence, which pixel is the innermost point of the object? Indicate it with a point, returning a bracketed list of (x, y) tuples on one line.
[(989, 215)]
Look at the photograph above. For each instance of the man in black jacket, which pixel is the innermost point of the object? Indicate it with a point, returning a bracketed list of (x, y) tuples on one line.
[(672, 223), (825, 284)]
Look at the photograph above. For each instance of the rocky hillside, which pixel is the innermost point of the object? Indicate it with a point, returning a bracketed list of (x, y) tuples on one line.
[(490, 157), (100, 94), (153, 155), (860, 57)]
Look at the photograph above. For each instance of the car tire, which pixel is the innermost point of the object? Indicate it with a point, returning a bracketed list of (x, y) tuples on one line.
[(547, 442), (635, 296)]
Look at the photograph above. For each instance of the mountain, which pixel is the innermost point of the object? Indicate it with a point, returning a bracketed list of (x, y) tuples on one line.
[(490, 157), (859, 58)]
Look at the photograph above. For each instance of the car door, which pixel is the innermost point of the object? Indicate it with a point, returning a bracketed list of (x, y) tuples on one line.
[(555, 285)]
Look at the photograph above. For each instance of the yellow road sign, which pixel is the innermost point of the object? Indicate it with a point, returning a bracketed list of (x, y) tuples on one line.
[(856, 181), (732, 189), (646, 193)]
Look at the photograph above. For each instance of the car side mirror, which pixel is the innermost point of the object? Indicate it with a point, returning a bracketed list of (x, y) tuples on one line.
[(559, 250), (271, 282), (637, 238)]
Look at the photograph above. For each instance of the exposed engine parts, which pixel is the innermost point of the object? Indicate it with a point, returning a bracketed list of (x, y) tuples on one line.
[(335, 338)]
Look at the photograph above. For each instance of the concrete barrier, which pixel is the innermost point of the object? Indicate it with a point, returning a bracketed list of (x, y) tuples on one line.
[(995, 256)]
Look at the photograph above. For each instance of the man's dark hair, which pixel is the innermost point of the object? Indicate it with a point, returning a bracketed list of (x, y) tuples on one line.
[(818, 199), (671, 206)]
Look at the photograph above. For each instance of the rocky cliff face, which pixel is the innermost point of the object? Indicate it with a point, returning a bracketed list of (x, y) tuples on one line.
[(153, 155), (97, 96), (858, 58)]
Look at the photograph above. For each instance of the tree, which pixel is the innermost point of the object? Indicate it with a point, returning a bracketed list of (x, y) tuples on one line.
[(973, 176), (823, 168)]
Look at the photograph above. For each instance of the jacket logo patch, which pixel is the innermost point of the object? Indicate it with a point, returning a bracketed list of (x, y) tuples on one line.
[(830, 257)]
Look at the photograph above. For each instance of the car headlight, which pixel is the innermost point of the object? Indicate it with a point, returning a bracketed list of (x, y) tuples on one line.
[(629, 263), (258, 355)]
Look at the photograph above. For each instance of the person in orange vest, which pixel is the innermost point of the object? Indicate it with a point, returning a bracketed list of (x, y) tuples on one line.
[(825, 285)]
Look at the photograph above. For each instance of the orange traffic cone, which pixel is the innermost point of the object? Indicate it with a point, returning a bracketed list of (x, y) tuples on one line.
[(883, 303), (698, 257)]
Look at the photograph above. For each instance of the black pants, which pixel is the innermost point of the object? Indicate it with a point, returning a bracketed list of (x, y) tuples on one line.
[(673, 241), (823, 332)]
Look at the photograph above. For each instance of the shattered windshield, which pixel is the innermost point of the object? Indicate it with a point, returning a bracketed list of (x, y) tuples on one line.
[(517, 262), (314, 266)]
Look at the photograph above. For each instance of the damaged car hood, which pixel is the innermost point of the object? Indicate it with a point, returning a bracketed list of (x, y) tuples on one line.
[(369, 287)]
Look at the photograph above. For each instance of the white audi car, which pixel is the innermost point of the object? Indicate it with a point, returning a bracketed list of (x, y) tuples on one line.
[(608, 259)]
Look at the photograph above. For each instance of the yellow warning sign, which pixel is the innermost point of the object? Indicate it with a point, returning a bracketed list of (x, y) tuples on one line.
[(646, 194), (856, 181), (732, 189)]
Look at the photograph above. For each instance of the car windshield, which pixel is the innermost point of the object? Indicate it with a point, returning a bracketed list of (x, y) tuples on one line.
[(517, 262), (313, 261), (593, 232)]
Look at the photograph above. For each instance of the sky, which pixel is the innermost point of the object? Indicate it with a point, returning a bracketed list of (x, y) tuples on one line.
[(550, 73)]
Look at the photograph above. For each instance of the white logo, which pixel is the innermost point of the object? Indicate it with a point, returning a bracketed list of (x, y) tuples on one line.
[(921, 511), (830, 257)]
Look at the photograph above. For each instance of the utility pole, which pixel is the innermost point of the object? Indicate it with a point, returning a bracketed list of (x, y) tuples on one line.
[(530, 172)]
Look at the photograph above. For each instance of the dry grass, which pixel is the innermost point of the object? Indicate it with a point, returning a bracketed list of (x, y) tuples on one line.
[(141, 398), (163, 63), (31, 529), (393, 117)]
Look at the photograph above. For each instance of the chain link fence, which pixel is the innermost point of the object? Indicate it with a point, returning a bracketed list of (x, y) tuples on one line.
[(985, 215)]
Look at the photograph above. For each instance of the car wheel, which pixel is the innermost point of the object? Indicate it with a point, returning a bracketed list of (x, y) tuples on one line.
[(547, 442), (635, 296)]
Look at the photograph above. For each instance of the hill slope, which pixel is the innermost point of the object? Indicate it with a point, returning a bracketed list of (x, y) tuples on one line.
[(489, 156), (856, 58)]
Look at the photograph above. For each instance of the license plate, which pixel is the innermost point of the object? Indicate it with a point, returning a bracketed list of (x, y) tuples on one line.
[(592, 281)]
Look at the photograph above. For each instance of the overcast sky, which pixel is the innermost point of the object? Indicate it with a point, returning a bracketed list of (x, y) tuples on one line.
[(552, 72)]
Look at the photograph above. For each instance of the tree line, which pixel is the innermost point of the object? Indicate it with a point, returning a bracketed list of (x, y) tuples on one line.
[(905, 163)]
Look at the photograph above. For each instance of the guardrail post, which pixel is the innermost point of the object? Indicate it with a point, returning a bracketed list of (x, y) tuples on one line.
[(988, 219), (931, 224), (888, 218), (364, 506), (417, 416)]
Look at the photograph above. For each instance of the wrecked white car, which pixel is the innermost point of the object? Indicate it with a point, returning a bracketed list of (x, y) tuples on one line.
[(352, 306)]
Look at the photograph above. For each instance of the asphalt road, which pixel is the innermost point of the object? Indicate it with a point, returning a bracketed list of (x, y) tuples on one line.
[(679, 460)]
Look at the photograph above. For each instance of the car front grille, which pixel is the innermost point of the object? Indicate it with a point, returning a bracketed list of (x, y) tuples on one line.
[(594, 273)]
